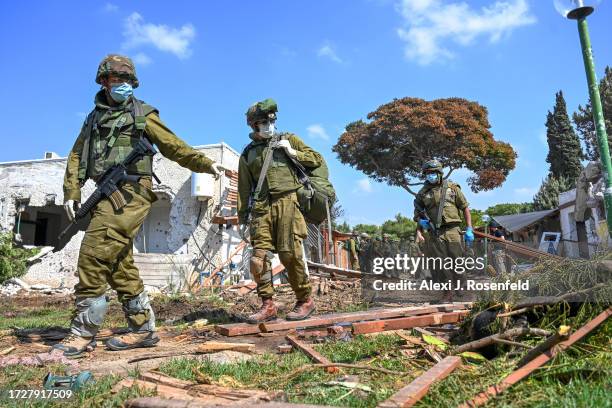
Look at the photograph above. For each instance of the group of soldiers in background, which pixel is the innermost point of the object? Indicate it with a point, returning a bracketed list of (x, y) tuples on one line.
[(363, 249)]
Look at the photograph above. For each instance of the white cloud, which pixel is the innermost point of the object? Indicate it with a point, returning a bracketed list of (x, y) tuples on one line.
[(174, 40), (110, 7), (328, 51), (431, 25), (317, 131), (142, 59), (363, 186), (526, 191)]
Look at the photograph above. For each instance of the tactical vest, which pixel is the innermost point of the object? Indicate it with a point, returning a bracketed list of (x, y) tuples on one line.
[(430, 197), (110, 135)]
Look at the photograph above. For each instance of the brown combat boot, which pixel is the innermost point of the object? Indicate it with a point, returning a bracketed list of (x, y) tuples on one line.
[(133, 340), (301, 310), (74, 346), (266, 313)]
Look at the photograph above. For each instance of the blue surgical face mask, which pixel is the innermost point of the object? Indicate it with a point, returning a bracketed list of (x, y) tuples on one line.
[(121, 92), (431, 178)]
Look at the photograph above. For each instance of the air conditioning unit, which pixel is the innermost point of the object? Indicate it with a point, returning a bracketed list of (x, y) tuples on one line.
[(202, 186), (51, 155)]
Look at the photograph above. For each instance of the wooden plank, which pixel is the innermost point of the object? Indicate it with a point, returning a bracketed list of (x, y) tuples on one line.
[(214, 346), (537, 362), (311, 352), (408, 322), (236, 329), (518, 248), (413, 392), (333, 318)]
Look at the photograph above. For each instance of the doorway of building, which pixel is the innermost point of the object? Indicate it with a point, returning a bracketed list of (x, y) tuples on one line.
[(153, 235)]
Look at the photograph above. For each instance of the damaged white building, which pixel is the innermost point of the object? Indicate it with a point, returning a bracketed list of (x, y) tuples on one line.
[(188, 231)]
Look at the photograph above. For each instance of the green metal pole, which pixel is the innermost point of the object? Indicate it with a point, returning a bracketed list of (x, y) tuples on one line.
[(598, 119)]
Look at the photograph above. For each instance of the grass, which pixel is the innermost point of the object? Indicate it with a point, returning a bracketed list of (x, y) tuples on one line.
[(37, 318), (97, 394)]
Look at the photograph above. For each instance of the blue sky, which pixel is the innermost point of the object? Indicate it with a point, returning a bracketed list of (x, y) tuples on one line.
[(327, 63)]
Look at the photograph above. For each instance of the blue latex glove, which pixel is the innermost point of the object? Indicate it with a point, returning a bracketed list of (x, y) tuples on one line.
[(424, 224), (469, 236)]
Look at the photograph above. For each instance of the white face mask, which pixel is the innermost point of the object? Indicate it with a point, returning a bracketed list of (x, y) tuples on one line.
[(266, 129)]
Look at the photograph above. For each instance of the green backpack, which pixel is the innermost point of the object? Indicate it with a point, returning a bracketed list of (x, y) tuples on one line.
[(316, 193)]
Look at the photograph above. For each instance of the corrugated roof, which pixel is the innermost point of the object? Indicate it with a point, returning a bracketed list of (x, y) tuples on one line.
[(516, 222)]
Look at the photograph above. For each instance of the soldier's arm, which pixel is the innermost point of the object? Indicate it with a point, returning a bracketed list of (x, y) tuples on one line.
[(72, 188), (175, 149), (463, 205), (305, 155), (418, 204), (244, 189)]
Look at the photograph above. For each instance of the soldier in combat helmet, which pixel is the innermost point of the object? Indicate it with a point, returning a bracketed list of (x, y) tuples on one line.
[(438, 208), (276, 222), (116, 123)]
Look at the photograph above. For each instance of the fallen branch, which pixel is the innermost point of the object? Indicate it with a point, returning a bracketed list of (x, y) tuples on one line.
[(551, 341), (7, 351), (537, 362), (345, 365), (510, 334), (511, 343), (515, 312), (154, 356)]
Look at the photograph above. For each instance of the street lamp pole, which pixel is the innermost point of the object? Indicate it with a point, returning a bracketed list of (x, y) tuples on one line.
[(580, 14)]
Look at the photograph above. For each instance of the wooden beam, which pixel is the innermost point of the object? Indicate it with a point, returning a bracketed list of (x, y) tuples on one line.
[(413, 392), (537, 362), (334, 318), (408, 322), (214, 346), (518, 248), (311, 352)]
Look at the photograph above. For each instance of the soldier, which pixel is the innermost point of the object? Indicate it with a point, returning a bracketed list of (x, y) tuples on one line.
[(364, 252), (116, 123), (276, 223), (442, 222), (354, 251)]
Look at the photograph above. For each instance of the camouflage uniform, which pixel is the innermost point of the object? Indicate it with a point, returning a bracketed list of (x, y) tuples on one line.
[(447, 242), (105, 257), (354, 251), (277, 224)]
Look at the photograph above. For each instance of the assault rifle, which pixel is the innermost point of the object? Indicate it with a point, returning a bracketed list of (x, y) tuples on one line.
[(423, 216), (110, 182)]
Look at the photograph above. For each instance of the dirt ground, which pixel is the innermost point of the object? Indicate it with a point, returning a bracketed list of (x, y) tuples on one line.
[(174, 316)]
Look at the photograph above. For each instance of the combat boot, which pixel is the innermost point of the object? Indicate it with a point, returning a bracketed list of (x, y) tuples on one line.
[(266, 313), (302, 309), (75, 346), (133, 340)]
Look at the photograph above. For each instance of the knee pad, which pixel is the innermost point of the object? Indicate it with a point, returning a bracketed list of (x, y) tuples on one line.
[(139, 313), (89, 315)]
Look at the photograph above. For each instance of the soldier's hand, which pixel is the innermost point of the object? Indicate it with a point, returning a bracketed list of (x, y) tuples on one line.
[(287, 146), (419, 237), (217, 169), (71, 207)]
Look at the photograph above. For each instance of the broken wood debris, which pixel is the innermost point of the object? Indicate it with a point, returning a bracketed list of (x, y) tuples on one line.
[(214, 346), (507, 335), (173, 388), (537, 362), (413, 392), (408, 322), (561, 335), (312, 353), (240, 329), (156, 402), (7, 351)]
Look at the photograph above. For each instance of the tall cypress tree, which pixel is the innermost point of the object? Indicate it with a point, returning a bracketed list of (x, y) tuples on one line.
[(583, 118), (564, 151), (547, 197)]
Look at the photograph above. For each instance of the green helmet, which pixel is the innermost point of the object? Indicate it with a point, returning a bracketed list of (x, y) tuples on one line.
[(263, 110), (118, 65), (432, 165)]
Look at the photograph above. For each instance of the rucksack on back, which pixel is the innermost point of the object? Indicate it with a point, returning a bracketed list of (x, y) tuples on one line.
[(316, 194)]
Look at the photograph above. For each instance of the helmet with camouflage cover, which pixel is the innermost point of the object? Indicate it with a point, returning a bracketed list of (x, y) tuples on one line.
[(262, 110), (119, 66), (432, 165)]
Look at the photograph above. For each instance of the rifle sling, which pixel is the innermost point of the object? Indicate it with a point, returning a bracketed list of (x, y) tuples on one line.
[(438, 221)]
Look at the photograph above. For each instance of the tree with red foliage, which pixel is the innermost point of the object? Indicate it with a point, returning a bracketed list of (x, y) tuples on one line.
[(403, 134)]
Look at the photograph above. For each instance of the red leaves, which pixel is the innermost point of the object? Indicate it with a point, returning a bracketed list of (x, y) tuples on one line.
[(404, 133)]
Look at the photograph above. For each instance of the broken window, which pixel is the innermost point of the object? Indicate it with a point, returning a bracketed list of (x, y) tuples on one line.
[(39, 226)]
